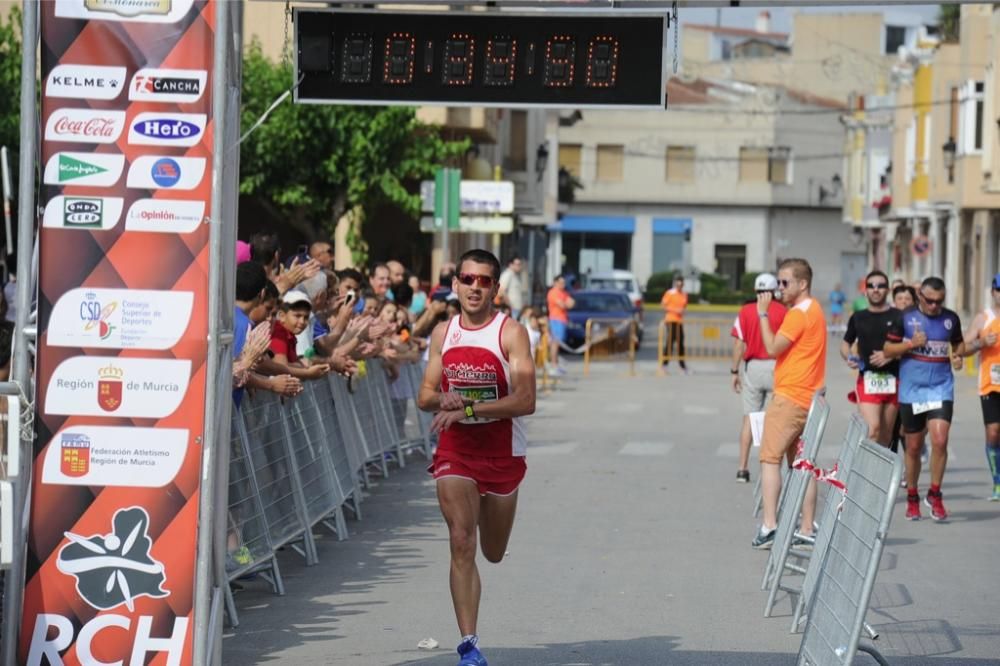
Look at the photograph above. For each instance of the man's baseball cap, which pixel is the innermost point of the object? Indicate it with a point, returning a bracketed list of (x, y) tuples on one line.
[(296, 296), (996, 281), (765, 282)]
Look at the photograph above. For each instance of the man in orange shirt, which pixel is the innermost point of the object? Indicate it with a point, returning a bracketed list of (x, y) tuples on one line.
[(800, 349), (558, 301), (674, 302)]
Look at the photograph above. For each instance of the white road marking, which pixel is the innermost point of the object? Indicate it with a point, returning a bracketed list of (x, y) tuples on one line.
[(625, 408), (731, 450), (700, 410), (646, 449), (561, 448)]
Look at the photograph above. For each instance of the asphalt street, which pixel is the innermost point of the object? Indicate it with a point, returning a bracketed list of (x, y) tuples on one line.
[(631, 546)]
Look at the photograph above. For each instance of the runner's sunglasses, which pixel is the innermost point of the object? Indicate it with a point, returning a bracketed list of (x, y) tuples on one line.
[(931, 301), (469, 279), (877, 285)]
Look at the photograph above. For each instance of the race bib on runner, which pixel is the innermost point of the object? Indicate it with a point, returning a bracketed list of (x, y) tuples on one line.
[(879, 383), (485, 393), (995, 373), (921, 407)]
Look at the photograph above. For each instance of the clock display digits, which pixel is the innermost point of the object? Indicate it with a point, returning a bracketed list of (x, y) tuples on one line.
[(501, 61), (459, 59), (356, 63), (397, 67), (602, 62), (560, 61)]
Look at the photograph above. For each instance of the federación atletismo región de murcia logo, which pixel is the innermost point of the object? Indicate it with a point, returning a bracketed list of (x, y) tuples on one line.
[(115, 568)]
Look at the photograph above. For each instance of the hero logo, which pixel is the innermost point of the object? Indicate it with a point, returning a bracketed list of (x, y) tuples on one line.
[(167, 85), (85, 82), (167, 129), (85, 126)]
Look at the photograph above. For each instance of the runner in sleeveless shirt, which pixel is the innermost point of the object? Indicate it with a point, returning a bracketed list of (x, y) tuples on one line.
[(983, 337), (480, 381)]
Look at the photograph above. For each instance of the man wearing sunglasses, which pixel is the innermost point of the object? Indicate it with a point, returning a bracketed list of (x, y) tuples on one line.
[(983, 337), (799, 346), (480, 381), (878, 375), (928, 340)]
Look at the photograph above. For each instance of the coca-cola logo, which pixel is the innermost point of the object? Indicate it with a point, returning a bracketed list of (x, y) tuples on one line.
[(85, 126), (104, 127)]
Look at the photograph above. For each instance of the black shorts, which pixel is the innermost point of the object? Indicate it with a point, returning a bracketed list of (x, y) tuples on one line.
[(991, 407), (918, 422)]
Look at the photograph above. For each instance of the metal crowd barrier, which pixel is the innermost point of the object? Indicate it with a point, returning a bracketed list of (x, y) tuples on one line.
[(856, 429), (850, 564), (790, 504), (596, 345), (705, 339), (296, 463)]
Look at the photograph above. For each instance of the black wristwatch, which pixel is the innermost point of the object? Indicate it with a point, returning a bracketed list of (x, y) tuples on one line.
[(734, 372)]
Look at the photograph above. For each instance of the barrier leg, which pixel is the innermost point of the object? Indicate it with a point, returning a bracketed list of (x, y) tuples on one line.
[(234, 619), (875, 654)]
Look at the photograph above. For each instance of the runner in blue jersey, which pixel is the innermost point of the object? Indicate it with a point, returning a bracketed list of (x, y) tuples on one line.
[(928, 340)]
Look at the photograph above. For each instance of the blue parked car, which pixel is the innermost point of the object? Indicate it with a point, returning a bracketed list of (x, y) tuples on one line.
[(592, 304)]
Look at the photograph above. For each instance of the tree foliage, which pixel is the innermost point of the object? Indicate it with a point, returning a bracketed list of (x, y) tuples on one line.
[(949, 20), (311, 164), (10, 80)]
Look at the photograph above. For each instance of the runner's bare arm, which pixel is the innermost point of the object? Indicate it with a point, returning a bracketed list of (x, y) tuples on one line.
[(431, 399), (972, 341), (521, 399)]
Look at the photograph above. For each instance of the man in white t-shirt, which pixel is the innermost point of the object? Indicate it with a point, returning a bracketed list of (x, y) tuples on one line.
[(511, 290)]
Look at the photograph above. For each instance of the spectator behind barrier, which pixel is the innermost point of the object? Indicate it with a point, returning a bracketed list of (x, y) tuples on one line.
[(293, 317)]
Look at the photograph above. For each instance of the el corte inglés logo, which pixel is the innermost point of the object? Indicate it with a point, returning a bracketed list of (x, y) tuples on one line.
[(71, 168)]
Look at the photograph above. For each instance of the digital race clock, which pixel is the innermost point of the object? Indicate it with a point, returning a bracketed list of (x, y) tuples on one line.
[(576, 60)]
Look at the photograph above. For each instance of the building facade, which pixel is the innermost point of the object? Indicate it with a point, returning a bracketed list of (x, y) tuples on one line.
[(732, 179)]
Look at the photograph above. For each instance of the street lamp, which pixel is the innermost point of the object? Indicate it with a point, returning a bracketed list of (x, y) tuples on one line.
[(949, 149), (541, 160)]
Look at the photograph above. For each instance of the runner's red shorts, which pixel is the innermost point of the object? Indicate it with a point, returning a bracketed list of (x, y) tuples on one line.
[(492, 476), (876, 398)]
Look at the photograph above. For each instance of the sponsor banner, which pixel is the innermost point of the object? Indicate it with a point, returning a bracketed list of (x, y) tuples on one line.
[(85, 82), (167, 129), (180, 86), (156, 172), (122, 457), (150, 388), (71, 125), (90, 169), (111, 567), (165, 216), (147, 11), (119, 318), (88, 213)]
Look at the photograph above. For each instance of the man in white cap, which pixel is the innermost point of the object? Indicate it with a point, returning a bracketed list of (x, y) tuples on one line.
[(752, 369)]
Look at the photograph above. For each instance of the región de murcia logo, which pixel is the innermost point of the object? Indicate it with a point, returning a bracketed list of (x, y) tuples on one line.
[(115, 568)]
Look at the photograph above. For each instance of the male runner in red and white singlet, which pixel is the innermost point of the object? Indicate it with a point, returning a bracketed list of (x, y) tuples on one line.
[(480, 380)]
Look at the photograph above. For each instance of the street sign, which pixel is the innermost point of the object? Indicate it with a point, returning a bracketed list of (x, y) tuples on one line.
[(445, 197), (572, 59), (492, 224), (474, 196)]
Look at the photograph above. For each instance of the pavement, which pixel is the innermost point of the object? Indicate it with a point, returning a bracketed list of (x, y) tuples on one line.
[(631, 546)]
